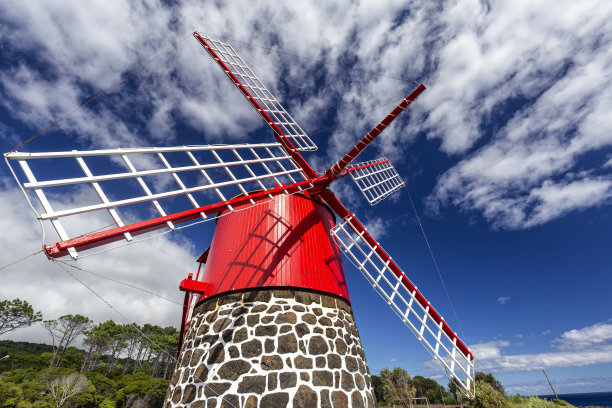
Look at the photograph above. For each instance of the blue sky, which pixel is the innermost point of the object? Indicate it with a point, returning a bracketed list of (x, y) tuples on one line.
[(507, 155)]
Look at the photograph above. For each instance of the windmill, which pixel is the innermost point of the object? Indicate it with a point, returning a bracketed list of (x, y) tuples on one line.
[(271, 300)]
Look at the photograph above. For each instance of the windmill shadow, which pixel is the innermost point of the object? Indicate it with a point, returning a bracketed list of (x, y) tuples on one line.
[(334, 262), (271, 231)]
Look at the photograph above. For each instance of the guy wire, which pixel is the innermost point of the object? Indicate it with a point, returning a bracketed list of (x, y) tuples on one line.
[(435, 262), (117, 281), (117, 311)]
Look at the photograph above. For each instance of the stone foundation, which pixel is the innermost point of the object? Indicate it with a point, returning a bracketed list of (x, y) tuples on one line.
[(271, 349)]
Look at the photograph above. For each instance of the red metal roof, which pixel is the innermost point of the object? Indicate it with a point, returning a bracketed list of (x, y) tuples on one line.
[(280, 243)]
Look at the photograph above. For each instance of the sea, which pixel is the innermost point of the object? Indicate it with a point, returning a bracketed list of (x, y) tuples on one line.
[(589, 399)]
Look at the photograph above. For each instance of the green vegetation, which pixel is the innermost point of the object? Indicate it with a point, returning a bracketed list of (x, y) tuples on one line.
[(517, 401), (128, 366), (102, 376), (396, 388), (122, 365), (15, 314), (488, 397)]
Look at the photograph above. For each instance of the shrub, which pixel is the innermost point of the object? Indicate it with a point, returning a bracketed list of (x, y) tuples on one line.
[(535, 402), (107, 404), (10, 395), (488, 397), (517, 399), (491, 380)]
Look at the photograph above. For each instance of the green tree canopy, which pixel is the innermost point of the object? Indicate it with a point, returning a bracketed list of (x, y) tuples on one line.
[(379, 388), (398, 386), (15, 314), (456, 391), (426, 387), (491, 380), (64, 331), (487, 397)]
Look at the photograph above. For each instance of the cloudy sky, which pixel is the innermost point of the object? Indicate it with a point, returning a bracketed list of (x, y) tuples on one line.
[(507, 155)]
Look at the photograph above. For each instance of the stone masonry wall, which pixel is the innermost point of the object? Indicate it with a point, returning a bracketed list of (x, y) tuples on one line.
[(271, 349)]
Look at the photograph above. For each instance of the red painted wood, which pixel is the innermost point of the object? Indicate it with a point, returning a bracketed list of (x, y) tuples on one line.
[(337, 168), (281, 243), (183, 325), (194, 286)]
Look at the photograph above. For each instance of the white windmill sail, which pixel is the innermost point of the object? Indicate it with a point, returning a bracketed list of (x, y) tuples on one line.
[(166, 179), (406, 301), (377, 179), (256, 93)]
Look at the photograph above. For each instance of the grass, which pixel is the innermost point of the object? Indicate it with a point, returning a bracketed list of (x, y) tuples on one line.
[(517, 401)]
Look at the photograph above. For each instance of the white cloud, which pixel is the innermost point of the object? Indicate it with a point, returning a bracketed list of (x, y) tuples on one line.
[(556, 199), (528, 172), (538, 361), (502, 300), (562, 386), (576, 348), (481, 65), (586, 337), (85, 48), (489, 350), (378, 227)]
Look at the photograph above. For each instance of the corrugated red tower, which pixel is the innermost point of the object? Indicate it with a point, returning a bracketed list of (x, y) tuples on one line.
[(285, 243)]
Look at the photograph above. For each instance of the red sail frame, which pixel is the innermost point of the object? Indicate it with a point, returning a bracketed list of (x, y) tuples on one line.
[(115, 234)]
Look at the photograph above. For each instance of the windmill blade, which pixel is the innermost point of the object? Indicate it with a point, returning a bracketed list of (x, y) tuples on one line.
[(148, 184), (390, 282), (407, 302), (257, 94), (377, 179)]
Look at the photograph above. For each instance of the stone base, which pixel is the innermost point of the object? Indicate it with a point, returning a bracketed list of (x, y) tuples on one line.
[(270, 349)]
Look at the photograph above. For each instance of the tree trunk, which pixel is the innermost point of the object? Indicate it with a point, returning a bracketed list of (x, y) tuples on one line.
[(87, 358), (112, 361), (59, 360), (125, 367), (63, 344)]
